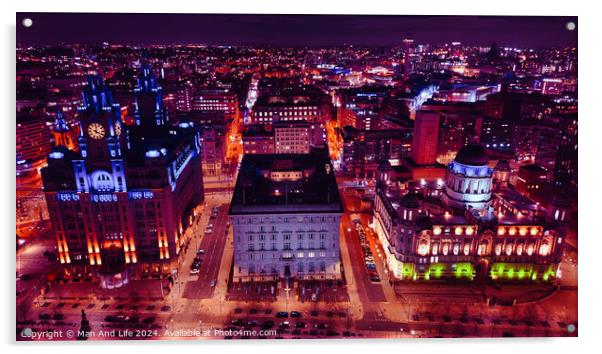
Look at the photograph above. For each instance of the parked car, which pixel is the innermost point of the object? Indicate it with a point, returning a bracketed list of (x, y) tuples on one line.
[(282, 314), (238, 322), (295, 314), (267, 324)]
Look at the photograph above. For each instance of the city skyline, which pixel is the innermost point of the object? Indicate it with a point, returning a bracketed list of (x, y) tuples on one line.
[(260, 192)]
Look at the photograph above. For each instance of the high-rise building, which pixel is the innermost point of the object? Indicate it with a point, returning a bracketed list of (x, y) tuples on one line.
[(33, 141), (119, 206), (425, 138), (285, 215)]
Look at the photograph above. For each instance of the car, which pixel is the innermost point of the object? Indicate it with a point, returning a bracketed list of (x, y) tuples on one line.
[(332, 333), (200, 251), (149, 320), (285, 324), (58, 316), (194, 271), (208, 231), (321, 326), (282, 314), (122, 318), (110, 318), (44, 316), (213, 282), (375, 279), (252, 323), (253, 311), (314, 313), (300, 325), (237, 310), (295, 314), (267, 324), (238, 322), (165, 308)]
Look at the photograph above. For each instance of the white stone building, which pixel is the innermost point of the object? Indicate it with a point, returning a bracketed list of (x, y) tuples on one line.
[(285, 215)]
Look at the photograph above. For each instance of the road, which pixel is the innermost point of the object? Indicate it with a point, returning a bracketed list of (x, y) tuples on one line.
[(199, 286)]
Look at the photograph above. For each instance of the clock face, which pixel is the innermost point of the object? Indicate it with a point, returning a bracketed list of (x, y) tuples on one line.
[(96, 131), (118, 128)]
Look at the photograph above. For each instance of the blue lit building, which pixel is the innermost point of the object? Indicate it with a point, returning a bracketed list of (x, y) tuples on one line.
[(468, 182), (120, 205)]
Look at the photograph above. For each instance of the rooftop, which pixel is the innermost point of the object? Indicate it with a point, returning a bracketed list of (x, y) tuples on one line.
[(286, 183)]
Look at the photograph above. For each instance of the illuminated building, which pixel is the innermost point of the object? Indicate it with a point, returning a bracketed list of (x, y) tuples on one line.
[(33, 141), (426, 136), (62, 133), (212, 152), (270, 109), (291, 138), (425, 140), (120, 205), (531, 181), (552, 86), (496, 134), (468, 182), (220, 100), (258, 139), (364, 150), (465, 93), (285, 215), (472, 231), (565, 167)]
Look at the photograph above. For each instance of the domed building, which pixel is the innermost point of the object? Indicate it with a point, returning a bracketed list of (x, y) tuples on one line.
[(468, 181)]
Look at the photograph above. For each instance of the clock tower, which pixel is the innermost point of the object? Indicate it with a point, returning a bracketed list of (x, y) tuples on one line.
[(101, 141)]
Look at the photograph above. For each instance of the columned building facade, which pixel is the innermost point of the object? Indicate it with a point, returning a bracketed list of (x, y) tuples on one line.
[(285, 214), (470, 232)]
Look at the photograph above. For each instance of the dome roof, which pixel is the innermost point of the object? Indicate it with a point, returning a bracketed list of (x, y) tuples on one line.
[(472, 155)]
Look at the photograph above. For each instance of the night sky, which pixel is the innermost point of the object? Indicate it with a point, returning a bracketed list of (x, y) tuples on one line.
[(293, 30)]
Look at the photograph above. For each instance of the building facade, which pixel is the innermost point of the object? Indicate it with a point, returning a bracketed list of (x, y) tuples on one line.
[(500, 236), (285, 215), (119, 206)]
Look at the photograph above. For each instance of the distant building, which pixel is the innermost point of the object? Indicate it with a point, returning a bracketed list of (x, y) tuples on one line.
[(426, 137), (531, 180), (258, 139), (33, 141), (285, 214), (292, 138), (425, 141)]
